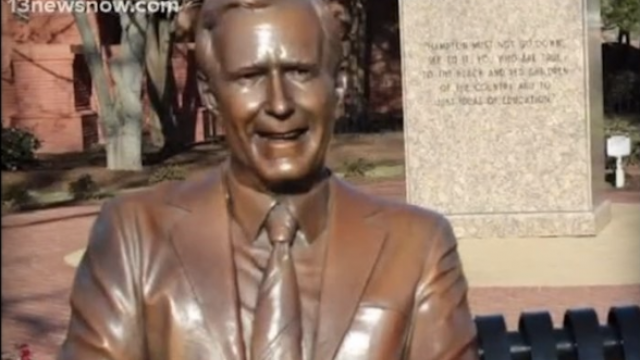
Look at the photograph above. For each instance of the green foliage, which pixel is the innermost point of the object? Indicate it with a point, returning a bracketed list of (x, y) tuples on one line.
[(18, 148), (167, 173), (85, 188), (16, 198), (623, 14), (356, 168)]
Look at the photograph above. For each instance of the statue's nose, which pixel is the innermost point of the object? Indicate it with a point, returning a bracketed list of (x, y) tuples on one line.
[(279, 104)]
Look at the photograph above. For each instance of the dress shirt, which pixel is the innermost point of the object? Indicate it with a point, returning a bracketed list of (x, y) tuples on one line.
[(251, 251)]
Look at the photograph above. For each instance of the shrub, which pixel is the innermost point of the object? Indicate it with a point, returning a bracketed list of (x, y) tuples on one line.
[(358, 167), (18, 148), (167, 173), (85, 188), (623, 14), (16, 198)]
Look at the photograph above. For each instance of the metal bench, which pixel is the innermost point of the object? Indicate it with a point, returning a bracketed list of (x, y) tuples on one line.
[(581, 337)]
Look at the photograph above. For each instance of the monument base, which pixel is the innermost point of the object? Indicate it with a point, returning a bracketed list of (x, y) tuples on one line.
[(553, 224)]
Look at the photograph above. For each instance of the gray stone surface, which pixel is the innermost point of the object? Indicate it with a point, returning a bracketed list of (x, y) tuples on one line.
[(503, 115)]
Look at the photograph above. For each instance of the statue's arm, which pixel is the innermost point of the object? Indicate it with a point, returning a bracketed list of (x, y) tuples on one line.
[(105, 319), (442, 325)]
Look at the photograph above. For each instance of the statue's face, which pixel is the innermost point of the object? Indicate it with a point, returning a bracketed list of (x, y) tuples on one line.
[(275, 94)]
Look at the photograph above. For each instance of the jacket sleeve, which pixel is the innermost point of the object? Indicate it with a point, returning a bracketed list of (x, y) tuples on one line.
[(442, 326), (106, 321)]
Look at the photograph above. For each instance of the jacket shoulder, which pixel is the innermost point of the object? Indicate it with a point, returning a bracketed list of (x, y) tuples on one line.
[(395, 211), (147, 199), (421, 218), (177, 193)]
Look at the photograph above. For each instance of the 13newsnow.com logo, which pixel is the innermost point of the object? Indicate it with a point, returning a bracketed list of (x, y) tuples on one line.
[(23, 8)]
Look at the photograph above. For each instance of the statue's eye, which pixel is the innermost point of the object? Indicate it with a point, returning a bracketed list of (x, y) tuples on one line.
[(248, 77), (300, 73)]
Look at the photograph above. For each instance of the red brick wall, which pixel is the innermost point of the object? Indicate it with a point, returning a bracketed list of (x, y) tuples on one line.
[(8, 94), (44, 96), (46, 87), (43, 28), (38, 81), (44, 75)]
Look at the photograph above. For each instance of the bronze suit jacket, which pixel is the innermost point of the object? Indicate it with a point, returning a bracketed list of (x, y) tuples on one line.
[(157, 281)]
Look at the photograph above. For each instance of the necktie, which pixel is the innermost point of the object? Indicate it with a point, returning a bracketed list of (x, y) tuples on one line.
[(277, 332)]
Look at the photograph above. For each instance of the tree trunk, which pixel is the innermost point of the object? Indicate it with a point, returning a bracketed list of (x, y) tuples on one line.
[(120, 116), (357, 65), (188, 110), (160, 85), (109, 121), (124, 147), (124, 150)]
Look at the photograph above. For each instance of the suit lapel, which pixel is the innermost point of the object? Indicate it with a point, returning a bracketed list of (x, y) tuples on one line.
[(201, 240), (354, 244)]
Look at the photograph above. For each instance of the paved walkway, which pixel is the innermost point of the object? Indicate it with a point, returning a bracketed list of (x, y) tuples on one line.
[(36, 280)]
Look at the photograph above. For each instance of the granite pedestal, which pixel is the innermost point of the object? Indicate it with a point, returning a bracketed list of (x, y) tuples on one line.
[(503, 115)]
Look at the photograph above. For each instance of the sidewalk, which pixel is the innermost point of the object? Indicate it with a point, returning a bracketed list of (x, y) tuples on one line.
[(36, 280)]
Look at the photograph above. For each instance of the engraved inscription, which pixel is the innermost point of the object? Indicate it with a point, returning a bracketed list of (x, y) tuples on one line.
[(506, 72)]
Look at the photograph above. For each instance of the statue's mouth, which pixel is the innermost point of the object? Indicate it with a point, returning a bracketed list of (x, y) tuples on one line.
[(292, 135)]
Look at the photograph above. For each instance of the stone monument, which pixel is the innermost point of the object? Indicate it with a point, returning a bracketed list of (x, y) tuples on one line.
[(503, 115)]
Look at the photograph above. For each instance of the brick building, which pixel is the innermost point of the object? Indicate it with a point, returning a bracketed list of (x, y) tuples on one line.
[(46, 85)]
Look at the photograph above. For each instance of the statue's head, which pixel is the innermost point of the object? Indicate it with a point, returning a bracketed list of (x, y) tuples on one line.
[(273, 67)]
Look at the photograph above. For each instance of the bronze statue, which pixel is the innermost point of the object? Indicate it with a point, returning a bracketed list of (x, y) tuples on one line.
[(270, 256)]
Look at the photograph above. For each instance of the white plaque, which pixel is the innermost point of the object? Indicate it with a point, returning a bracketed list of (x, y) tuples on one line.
[(618, 146)]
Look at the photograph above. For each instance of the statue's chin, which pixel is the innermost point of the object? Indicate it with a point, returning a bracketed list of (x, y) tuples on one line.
[(286, 184), (289, 180)]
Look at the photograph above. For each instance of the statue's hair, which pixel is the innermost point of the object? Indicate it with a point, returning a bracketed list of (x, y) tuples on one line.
[(214, 10)]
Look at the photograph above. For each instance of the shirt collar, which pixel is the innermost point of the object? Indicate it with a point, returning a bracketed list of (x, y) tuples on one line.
[(249, 208)]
